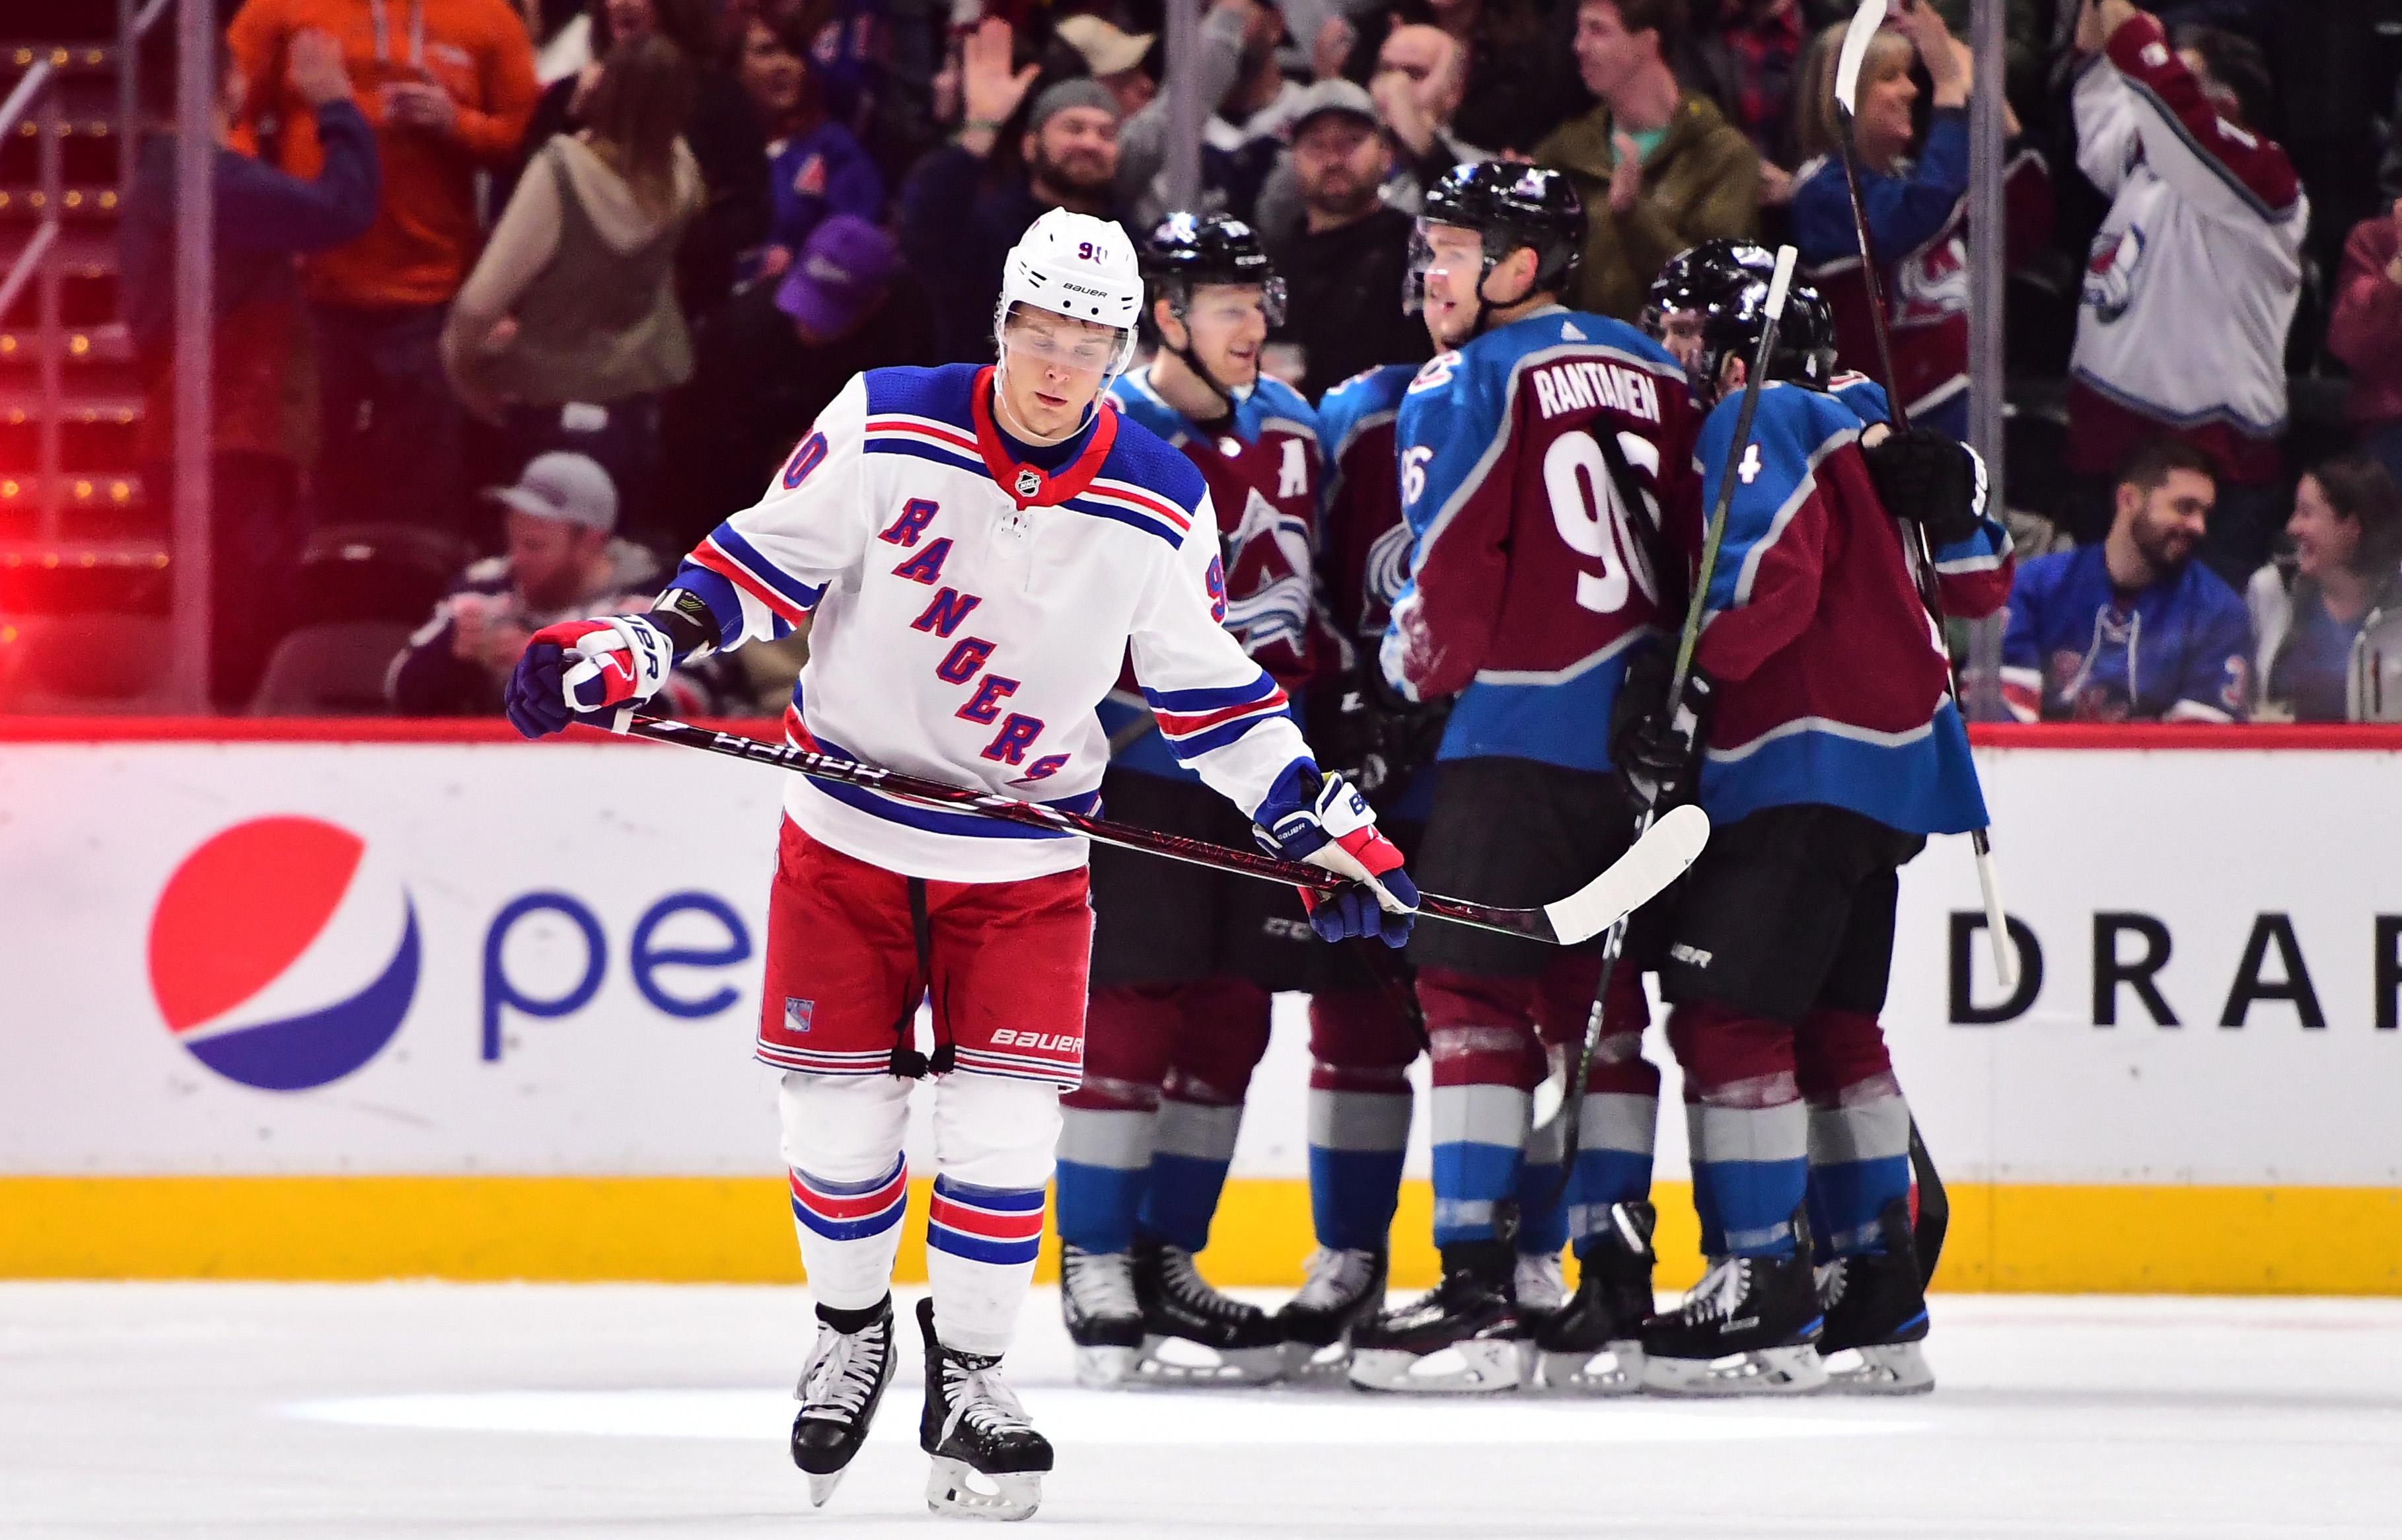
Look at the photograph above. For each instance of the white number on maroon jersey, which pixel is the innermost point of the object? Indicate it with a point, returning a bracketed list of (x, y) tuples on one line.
[(1595, 521)]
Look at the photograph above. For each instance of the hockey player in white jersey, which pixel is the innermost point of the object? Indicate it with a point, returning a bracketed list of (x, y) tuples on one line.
[(979, 550)]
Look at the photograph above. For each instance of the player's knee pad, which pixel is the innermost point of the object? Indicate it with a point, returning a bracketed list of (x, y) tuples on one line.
[(1130, 1031), (1732, 1059), (842, 1127), (1563, 998), (1221, 1037), (1480, 1029), (1359, 1040), (994, 1132), (1840, 1056)]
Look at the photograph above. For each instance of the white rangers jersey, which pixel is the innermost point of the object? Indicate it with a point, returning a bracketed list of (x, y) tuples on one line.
[(2191, 282), (972, 611)]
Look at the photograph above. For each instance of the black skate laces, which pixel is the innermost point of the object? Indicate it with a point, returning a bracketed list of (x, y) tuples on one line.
[(843, 1368), (1331, 1278), (1098, 1284), (1177, 1275), (978, 1397)]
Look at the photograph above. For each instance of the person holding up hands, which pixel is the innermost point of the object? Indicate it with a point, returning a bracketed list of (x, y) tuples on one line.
[(960, 216), (1916, 194)]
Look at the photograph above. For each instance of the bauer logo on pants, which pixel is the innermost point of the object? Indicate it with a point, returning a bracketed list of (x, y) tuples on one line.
[(255, 947)]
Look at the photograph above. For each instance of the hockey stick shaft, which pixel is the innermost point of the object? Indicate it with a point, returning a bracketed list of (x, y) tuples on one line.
[(1637, 883), (1571, 1089), (1864, 24)]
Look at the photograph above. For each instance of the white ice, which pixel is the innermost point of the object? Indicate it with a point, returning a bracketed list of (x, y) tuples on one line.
[(396, 1410)]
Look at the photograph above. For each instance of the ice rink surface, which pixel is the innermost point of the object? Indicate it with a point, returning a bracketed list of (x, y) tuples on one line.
[(496, 1412)]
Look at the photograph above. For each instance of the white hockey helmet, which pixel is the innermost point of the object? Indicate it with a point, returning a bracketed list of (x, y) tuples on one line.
[(1077, 266)]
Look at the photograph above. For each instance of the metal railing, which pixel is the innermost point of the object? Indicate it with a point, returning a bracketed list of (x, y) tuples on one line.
[(134, 21), (36, 99)]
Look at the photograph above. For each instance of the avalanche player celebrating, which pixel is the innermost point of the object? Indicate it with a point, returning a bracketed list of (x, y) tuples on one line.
[(1832, 750), (980, 549), (1185, 960), (1532, 458), (1360, 1045)]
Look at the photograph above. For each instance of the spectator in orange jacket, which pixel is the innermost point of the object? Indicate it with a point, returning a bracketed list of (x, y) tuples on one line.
[(447, 86)]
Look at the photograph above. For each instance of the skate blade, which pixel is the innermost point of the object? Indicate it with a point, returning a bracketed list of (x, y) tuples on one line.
[(1617, 1369), (1104, 1369), (1463, 1368), (1177, 1362), (955, 1490), (1894, 1368), (1309, 1364), (822, 1486), (1796, 1370)]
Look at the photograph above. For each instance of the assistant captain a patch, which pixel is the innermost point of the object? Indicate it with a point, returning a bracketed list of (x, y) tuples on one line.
[(797, 1013)]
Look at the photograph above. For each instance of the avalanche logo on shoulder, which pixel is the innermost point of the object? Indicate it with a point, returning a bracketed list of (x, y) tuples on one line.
[(262, 953)]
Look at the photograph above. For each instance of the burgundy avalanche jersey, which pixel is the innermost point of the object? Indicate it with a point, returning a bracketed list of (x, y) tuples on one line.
[(1531, 579), (1363, 543), (1262, 469), (1832, 684)]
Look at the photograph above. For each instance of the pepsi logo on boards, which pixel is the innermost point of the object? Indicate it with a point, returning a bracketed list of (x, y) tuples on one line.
[(254, 951)]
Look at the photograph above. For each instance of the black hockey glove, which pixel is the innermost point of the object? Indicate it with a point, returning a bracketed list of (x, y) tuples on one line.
[(1931, 480), (1376, 739), (1656, 744)]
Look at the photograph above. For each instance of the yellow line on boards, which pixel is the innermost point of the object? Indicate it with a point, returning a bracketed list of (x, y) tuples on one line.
[(2066, 1240)]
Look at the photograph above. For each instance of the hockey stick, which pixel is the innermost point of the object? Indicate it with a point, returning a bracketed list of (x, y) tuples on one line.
[(1934, 1209), (1861, 30), (1559, 1100), (1656, 860)]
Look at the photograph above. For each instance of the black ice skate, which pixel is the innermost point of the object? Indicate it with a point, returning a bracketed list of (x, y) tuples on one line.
[(989, 1459), (839, 1392), (1193, 1335), (1340, 1292), (1594, 1345), (1464, 1335), (1749, 1327), (1096, 1298), (1875, 1306)]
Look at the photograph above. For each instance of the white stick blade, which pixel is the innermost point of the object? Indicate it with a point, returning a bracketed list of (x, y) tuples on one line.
[(1633, 880), (1781, 281), (1997, 928), (1862, 27)]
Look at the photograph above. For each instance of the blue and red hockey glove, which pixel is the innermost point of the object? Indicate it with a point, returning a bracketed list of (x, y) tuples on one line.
[(584, 668), (1323, 819)]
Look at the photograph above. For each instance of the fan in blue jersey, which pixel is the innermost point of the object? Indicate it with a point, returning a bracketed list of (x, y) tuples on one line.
[(1831, 749), (2132, 628), (1535, 458)]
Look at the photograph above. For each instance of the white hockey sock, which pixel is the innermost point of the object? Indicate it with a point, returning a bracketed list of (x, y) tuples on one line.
[(842, 1145), (993, 1144)]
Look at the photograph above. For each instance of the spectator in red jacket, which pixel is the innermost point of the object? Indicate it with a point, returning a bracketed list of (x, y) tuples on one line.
[(2365, 332)]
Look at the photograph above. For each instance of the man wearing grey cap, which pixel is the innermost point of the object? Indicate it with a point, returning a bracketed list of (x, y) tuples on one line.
[(958, 220), (563, 562), (1345, 258)]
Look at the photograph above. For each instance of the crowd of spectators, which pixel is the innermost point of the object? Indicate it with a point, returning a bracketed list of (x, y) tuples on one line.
[(458, 240)]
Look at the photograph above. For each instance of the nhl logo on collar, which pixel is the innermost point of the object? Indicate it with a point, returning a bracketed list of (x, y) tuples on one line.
[(1029, 482)]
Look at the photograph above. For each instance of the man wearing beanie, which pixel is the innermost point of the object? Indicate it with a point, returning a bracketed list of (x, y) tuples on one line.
[(563, 562), (961, 214)]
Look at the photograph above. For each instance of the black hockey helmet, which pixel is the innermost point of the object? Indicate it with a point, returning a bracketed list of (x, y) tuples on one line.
[(1512, 204), (1726, 283), (1189, 249)]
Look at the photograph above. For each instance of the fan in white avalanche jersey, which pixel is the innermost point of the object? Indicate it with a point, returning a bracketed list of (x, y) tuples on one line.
[(979, 548)]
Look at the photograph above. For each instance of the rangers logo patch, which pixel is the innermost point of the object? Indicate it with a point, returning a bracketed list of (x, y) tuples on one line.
[(797, 1013), (1028, 482)]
